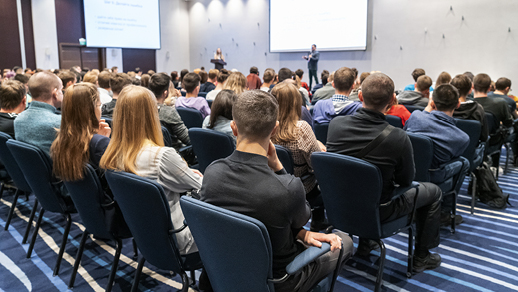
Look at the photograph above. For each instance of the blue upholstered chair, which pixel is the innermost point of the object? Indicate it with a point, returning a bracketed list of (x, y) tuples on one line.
[(168, 141), (321, 131), (236, 250), (36, 166), (182, 92), (149, 220), (202, 94), (412, 108), (19, 180), (474, 153), (87, 195), (495, 130), (447, 177), (351, 189), (192, 118), (394, 121), (210, 145), (210, 101), (285, 158)]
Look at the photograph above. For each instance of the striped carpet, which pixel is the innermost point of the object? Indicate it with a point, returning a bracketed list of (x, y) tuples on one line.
[(481, 256)]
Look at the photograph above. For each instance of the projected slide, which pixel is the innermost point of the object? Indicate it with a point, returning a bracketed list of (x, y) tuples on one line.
[(332, 25), (122, 23)]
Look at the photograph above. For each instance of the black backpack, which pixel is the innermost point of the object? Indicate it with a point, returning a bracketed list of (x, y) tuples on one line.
[(488, 190)]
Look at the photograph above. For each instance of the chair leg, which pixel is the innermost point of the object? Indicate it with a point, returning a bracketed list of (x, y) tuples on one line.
[(135, 249), (453, 212), (136, 280), (506, 166), (11, 211), (63, 245), (473, 192), (410, 266), (2, 190), (193, 278), (29, 223), (185, 282), (115, 265), (379, 279), (78, 259), (35, 233)]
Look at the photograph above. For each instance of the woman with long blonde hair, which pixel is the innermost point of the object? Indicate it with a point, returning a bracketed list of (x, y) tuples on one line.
[(236, 82), (137, 146), (297, 136)]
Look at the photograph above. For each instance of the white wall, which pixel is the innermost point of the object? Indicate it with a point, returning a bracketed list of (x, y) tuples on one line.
[(174, 33), (45, 34), (480, 43), (114, 58)]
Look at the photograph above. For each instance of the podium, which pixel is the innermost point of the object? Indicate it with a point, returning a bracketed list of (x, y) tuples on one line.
[(218, 63)]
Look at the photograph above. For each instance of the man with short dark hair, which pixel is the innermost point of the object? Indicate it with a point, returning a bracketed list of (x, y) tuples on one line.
[(268, 78), (326, 92), (103, 82), (117, 82), (324, 77), (13, 101), (115, 70), (339, 104), (191, 83), (300, 73), (278, 201), (313, 58), (24, 79), (222, 80), (211, 80), (502, 88), (394, 158), (37, 125), (67, 78), (418, 97), (252, 80), (418, 72), (159, 84)]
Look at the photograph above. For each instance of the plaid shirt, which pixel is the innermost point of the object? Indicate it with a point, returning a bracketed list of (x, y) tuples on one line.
[(339, 97)]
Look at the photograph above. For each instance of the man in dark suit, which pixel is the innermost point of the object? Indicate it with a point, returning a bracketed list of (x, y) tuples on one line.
[(312, 58)]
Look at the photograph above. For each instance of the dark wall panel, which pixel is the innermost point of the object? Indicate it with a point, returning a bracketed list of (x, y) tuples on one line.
[(10, 52), (133, 58), (70, 22), (28, 34)]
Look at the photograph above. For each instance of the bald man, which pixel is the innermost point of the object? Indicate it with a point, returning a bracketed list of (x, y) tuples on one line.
[(38, 124)]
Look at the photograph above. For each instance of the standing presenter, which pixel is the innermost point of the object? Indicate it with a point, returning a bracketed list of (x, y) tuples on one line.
[(312, 64), (218, 55)]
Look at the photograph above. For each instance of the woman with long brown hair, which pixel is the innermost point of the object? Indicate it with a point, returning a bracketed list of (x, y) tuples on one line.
[(83, 136), (137, 146), (297, 136), (221, 113)]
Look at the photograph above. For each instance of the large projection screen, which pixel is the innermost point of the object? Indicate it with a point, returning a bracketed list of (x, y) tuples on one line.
[(122, 23), (333, 25)]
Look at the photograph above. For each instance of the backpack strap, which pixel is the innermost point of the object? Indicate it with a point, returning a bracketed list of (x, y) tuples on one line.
[(376, 142)]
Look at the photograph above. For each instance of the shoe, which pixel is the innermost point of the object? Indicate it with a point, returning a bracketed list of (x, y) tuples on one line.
[(446, 219), (365, 247), (430, 262)]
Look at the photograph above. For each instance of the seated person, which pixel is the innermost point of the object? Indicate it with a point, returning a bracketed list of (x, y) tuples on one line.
[(210, 84), (418, 72), (191, 83), (300, 73), (348, 135), (469, 109), (502, 88), (399, 111), (354, 94), (221, 113), (12, 101), (143, 153), (418, 97), (339, 105), (117, 82), (325, 92), (253, 81), (222, 80), (298, 137), (278, 201), (38, 124), (268, 78), (160, 85), (323, 76), (104, 89)]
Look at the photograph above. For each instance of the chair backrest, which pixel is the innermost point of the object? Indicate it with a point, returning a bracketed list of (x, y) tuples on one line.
[(183, 92), (235, 249), (11, 165), (394, 121), (168, 141), (202, 94), (321, 132), (87, 196), (412, 108), (423, 156), (146, 211), (210, 101), (472, 128), (285, 158), (37, 169), (210, 145), (351, 190), (491, 123), (192, 118)]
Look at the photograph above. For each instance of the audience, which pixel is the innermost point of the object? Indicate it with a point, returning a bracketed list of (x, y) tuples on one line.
[(137, 146), (354, 94), (175, 78), (236, 82), (68, 78), (398, 110), (38, 124), (12, 101), (298, 137), (278, 201), (24, 79), (212, 79), (418, 72), (393, 156), (268, 78), (117, 82), (105, 93), (144, 80), (300, 73), (502, 88), (191, 83), (159, 84), (203, 78), (182, 75), (90, 77), (339, 104), (420, 95), (221, 113), (326, 92), (324, 76), (252, 80), (222, 80), (444, 78)]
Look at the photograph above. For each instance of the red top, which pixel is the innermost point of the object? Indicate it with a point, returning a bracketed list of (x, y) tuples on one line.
[(399, 111), (253, 81)]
